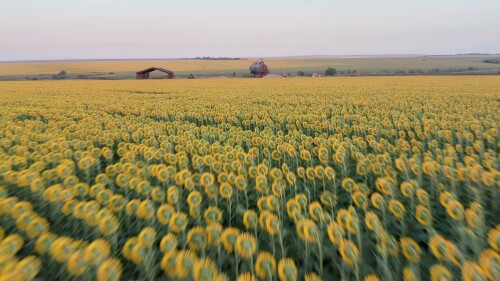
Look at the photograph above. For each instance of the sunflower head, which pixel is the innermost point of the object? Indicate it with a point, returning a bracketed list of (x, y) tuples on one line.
[(97, 251), (197, 238), (229, 237), (410, 250), (349, 252), (250, 219), (147, 236), (213, 231), (439, 272), (423, 215), (168, 243), (178, 222), (165, 213), (316, 211), (185, 263), (265, 265), (204, 270), (246, 245), (110, 270), (194, 198)]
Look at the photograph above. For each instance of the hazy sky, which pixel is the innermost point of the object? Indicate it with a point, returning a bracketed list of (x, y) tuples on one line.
[(85, 29)]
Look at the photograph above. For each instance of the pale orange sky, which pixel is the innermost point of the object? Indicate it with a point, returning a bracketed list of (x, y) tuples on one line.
[(107, 29)]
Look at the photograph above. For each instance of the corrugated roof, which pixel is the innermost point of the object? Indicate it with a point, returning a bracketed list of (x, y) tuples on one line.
[(151, 69)]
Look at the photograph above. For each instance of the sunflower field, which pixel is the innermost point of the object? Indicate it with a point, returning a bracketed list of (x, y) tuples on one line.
[(368, 179)]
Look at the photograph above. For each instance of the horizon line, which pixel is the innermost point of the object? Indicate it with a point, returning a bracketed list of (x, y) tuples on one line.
[(250, 57)]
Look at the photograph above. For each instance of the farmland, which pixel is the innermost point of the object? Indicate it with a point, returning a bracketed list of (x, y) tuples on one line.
[(376, 65), (353, 178)]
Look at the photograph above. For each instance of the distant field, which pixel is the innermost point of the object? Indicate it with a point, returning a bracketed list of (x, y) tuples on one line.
[(363, 65)]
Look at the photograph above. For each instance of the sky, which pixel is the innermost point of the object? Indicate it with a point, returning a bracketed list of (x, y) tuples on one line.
[(115, 29)]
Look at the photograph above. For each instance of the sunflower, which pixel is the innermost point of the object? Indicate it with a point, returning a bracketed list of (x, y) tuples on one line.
[(80, 189), (164, 213), (211, 191), (147, 236), (110, 270), (335, 232), (139, 253), (207, 179), (229, 237), (439, 272), (77, 264), (196, 238), (168, 264), (146, 210), (273, 203), (278, 187), (291, 178), (292, 206), (301, 198), (341, 217), (378, 201), (287, 270), (108, 225), (471, 271), (204, 270), (129, 246), (455, 210), (360, 199), (272, 223), (265, 265), (212, 215), (62, 248), (213, 231), (11, 244), (245, 245), (316, 211), (97, 251), (246, 276), (423, 197), (185, 263), (194, 198), (308, 230), (439, 247), (372, 221), (178, 222), (44, 242), (410, 250), (28, 268), (371, 277), (423, 215), (352, 225), (494, 238), (328, 198), (158, 194), (409, 274), (490, 263), (117, 203), (241, 183), (173, 195), (250, 219), (104, 196), (408, 188), (349, 252), (397, 208), (168, 243)]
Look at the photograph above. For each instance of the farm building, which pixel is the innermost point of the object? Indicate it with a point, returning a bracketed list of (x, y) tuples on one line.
[(144, 74)]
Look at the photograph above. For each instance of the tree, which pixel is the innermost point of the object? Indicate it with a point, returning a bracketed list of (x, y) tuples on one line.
[(330, 71), (301, 73)]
